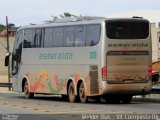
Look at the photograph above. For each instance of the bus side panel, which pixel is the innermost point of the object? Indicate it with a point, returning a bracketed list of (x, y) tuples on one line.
[(53, 79), (49, 70)]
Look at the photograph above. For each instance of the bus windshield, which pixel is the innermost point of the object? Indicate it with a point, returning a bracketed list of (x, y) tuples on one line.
[(127, 29)]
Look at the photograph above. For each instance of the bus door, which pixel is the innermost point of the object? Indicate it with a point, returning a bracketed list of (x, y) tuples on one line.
[(16, 58)]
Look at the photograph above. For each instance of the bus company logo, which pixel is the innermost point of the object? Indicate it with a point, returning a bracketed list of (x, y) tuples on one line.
[(93, 55), (129, 45), (54, 56)]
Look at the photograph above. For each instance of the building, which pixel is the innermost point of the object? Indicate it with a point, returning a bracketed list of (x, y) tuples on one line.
[(155, 36), (158, 37), (12, 32), (155, 43)]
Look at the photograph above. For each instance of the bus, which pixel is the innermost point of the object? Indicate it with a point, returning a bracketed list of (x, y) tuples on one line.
[(84, 57)]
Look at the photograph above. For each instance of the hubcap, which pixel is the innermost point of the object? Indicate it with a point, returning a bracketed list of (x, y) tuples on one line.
[(26, 88), (82, 91), (71, 93)]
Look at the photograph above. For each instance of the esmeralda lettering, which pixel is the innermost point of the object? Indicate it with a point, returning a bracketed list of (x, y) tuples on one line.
[(52, 56), (128, 45)]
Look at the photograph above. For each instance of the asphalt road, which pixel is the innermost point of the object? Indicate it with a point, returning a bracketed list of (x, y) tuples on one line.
[(53, 107)]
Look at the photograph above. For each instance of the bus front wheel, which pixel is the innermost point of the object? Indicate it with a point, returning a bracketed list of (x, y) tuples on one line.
[(27, 93)]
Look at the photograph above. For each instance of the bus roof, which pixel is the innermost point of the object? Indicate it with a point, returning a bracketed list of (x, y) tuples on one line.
[(76, 21)]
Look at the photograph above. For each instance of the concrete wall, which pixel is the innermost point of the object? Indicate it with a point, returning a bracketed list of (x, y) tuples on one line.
[(155, 44), (158, 34), (3, 69), (3, 51)]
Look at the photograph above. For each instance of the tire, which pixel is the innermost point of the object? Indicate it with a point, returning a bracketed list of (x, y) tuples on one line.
[(112, 99), (82, 95), (71, 92), (64, 97), (97, 99), (27, 94), (126, 99)]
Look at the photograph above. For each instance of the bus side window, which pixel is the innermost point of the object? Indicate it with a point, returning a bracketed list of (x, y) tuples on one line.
[(93, 35), (69, 36), (80, 35), (57, 37), (48, 37), (38, 37), (27, 38)]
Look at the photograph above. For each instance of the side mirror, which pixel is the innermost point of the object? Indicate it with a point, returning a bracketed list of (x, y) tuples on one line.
[(7, 59)]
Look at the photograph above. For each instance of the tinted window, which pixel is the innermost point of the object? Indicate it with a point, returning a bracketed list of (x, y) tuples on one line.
[(33, 34), (69, 36), (80, 36), (57, 36), (127, 29), (38, 38), (48, 37), (93, 35), (34, 38), (28, 37), (18, 41)]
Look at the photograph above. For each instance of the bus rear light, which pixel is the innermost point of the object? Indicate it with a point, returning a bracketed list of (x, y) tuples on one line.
[(149, 71), (104, 72)]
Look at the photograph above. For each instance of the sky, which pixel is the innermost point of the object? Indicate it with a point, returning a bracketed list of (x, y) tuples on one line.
[(24, 12)]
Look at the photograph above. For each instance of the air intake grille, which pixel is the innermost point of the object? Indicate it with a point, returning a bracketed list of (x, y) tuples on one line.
[(94, 80)]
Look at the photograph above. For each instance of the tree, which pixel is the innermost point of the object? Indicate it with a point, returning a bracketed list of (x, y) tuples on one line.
[(67, 15), (11, 25), (64, 15), (2, 27)]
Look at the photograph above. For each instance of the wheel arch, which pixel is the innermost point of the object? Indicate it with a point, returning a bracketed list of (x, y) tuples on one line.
[(68, 82), (78, 85), (23, 83)]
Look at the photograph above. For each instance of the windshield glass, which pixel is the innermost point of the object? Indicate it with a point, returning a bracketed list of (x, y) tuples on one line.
[(127, 29)]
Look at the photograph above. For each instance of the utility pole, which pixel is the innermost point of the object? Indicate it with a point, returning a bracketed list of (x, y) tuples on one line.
[(7, 36)]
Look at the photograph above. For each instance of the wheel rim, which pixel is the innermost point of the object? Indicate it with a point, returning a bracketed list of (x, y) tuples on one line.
[(71, 93), (82, 91), (82, 94), (26, 91)]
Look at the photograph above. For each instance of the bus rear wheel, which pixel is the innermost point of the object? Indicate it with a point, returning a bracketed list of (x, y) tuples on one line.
[(71, 92), (126, 99), (82, 95), (65, 97), (27, 93)]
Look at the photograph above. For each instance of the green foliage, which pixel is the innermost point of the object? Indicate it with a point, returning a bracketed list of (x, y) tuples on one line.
[(64, 15), (2, 27), (10, 26)]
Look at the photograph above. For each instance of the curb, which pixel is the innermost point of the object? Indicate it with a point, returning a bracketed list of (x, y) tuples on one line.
[(143, 99), (135, 98), (6, 92)]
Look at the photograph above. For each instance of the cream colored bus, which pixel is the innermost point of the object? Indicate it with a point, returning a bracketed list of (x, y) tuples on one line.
[(84, 57)]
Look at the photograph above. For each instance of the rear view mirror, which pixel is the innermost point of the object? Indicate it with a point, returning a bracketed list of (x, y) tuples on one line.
[(7, 59)]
